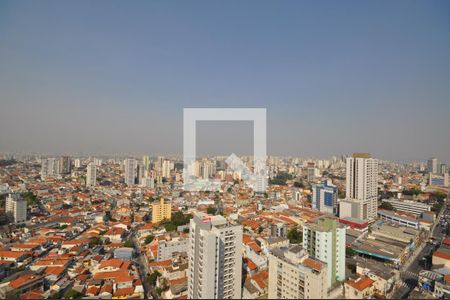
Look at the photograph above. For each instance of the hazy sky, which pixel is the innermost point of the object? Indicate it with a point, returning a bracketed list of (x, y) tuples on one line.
[(335, 76)]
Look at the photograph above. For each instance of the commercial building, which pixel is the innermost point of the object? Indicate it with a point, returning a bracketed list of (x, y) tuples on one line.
[(215, 258), (325, 196), (295, 275), (324, 239), (413, 207), (362, 184), (391, 216), (161, 211), (16, 208)]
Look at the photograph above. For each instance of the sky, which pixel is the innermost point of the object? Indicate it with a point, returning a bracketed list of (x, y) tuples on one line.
[(336, 77)]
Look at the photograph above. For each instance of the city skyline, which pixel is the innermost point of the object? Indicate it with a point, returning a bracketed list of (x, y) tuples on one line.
[(96, 78)]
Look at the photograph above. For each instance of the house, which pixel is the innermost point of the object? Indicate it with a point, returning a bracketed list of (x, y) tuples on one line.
[(361, 288)]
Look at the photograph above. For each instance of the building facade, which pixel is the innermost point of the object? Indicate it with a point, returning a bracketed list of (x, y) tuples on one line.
[(324, 239), (362, 183), (215, 258), (91, 174), (325, 197), (294, 275), (16, 208), (161, 211)]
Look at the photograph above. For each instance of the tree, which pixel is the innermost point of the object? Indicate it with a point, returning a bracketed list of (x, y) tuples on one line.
[(211, 210), (386, 205), (260, 229), (149, 239), (350, 252), (153, 277), (170, 227), (128, 244), (95, 241), (72, 294), (295, 236)]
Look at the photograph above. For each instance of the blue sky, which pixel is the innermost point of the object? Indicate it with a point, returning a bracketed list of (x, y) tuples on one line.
[(335, 76)]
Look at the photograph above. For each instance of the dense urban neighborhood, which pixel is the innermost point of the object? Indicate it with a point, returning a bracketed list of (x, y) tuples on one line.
[(114, 228)]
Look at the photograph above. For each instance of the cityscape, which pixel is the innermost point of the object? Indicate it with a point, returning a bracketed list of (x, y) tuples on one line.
[(224, 150)]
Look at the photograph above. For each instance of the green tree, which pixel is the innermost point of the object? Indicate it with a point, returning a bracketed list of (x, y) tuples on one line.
[(211, 210), (153, 277), (295, 236), (72, 294), (149, 239), (128, 244), (386, 205)]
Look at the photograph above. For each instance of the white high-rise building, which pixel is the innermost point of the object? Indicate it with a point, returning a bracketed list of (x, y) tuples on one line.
[(91, 174), (16, 208), (130, 171), (215, 258), (50, 167), (362, 184), (432, 165), (166, 168), (295, 275), (324, 239), (77, 163)]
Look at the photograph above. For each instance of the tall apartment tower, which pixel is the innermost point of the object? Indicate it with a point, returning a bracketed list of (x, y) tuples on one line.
[(215, 258), (325, 196), (161, 211), (16, 208), (432, 165), (91, 174), (324, 239), (130, 171), (295, 275), (65, 164), (362, 184)]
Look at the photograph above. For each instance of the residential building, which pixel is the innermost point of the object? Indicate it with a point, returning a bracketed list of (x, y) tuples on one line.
[(130, 171), (362, 183), (432, 165), (215, 258), (324, 239), (295, 275), (325, 196), (16, 208), (167, 249), (91, 174), (161, 211)]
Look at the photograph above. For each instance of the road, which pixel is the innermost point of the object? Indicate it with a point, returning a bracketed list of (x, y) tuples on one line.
[(410, 274), (143, 267)]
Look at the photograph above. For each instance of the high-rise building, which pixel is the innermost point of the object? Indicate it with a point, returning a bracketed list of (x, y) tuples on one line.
[(295, 275), (50, 167), (432, 165), (91, 174), (362, 184), (215, 258), (146, 163), (65, 164), (443, 169), (324, 239), (16, 208), (325, 196), (161, 211), (77, 163), (166, 168), (130, 171)]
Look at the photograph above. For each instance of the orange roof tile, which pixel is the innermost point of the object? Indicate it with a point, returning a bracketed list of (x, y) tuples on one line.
[(361, 283)]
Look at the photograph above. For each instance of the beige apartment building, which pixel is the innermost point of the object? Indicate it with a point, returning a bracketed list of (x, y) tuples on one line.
[(295, 275), (161, 211)]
